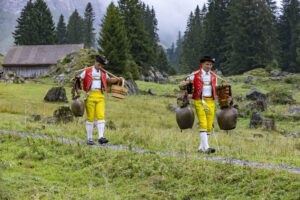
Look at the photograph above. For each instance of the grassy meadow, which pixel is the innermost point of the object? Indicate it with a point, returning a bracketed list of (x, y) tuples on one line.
[(43, 169)]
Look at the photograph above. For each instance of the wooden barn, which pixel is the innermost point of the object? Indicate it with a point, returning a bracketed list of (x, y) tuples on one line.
[(34, 60)]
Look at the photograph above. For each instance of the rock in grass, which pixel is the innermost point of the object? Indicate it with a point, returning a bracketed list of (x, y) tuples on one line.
[(249, 79), (255, 94), (150, 91), (56, 94), (268, 124), (295, 134), (258, 135), (173, 107), (294, 111), (256, 119), (35, 117), (63, 114)]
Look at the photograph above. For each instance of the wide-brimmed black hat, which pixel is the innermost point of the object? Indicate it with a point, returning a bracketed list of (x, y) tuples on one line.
[(207, 58), (101, 60)]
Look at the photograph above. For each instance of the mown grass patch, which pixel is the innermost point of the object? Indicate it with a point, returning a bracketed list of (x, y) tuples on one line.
[(47, 169)]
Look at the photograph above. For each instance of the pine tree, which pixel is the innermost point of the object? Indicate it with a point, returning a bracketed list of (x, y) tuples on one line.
[(171, 54), (178, 50), (213, 29), (35, 25), (44, 26), (140, 49), (187, 50), (250, 36), (114, 44), (24, 33), (162, 61), (61, 30), (89, 18), (75, 29), (289, 35), (150, 23), (192, 45)]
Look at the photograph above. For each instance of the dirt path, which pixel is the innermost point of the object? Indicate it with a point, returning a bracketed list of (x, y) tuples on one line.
[(141, 151)]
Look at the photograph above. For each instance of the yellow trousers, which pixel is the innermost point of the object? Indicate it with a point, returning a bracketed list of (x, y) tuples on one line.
[(205, 117), (95, 103)]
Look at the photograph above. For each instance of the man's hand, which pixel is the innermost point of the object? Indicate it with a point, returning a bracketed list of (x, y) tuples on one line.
[(189, 96), (78, 92)]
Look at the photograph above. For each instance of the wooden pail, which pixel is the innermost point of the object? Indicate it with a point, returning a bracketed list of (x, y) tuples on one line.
[(119, 91)]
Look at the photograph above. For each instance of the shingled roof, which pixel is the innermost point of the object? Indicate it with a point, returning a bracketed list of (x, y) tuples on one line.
[(38, 54)]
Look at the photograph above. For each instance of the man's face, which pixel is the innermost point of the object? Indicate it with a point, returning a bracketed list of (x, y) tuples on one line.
[(207, 65), (98, 65)]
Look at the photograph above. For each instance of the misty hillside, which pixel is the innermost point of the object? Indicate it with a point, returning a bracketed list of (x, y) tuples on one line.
[(10, 11)]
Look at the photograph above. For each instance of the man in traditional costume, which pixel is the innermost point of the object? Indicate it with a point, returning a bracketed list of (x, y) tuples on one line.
[(204, 94), (94, 84)]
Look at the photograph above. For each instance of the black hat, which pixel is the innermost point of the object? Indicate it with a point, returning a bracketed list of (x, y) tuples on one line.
[(207, 58), (101, 59)]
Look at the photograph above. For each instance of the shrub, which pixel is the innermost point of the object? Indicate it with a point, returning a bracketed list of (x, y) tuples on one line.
[(281, 96), (66, 60), (257, 72), (272, 66)]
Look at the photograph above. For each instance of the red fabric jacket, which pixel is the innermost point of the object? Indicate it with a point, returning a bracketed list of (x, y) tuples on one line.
[(88, 79), (198, 85)]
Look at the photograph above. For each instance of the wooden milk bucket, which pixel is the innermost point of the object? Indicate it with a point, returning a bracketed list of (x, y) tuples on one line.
[(119, 91)]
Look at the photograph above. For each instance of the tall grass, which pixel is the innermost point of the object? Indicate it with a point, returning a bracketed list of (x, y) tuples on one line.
[(145, 121)]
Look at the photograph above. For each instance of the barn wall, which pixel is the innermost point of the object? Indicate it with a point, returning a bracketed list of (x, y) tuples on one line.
[(27, 71)]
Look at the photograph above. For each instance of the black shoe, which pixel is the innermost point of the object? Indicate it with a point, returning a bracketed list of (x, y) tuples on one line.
[(200, 151), (103, 140), (90, 142), (210, 150)]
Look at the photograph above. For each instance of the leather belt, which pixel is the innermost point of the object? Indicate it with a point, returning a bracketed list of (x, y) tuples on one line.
[(206, 83), (96, 78), (96, 89)]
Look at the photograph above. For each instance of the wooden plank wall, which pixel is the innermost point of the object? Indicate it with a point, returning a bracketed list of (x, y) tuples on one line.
[(28, 71)]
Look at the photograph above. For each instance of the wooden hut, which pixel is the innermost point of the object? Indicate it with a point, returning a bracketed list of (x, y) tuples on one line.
[(33, 60)]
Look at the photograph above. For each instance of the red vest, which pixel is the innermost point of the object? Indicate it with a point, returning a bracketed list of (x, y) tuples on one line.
[(198, 85), (88, 79)]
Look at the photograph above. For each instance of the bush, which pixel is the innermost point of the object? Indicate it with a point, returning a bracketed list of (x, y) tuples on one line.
[(171, 71), (257, 72), (66, 60), (292, 80), (289, 80), (281, 96), (272, 66)]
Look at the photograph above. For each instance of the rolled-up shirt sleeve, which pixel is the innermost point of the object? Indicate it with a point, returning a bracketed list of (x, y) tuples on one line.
[(190, 78), (82, 75)]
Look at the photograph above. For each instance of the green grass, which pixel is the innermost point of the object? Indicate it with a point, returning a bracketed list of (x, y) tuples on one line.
[(146, 122), (159, 89), (42, 169), (47, 169)]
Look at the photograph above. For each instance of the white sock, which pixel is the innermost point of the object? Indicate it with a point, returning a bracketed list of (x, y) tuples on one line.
[(89, 129), (101, 126), (204, 141), (201, 143)]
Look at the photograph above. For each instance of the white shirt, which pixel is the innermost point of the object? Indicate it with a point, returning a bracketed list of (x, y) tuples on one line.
[(96, 84), (206, 77)]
